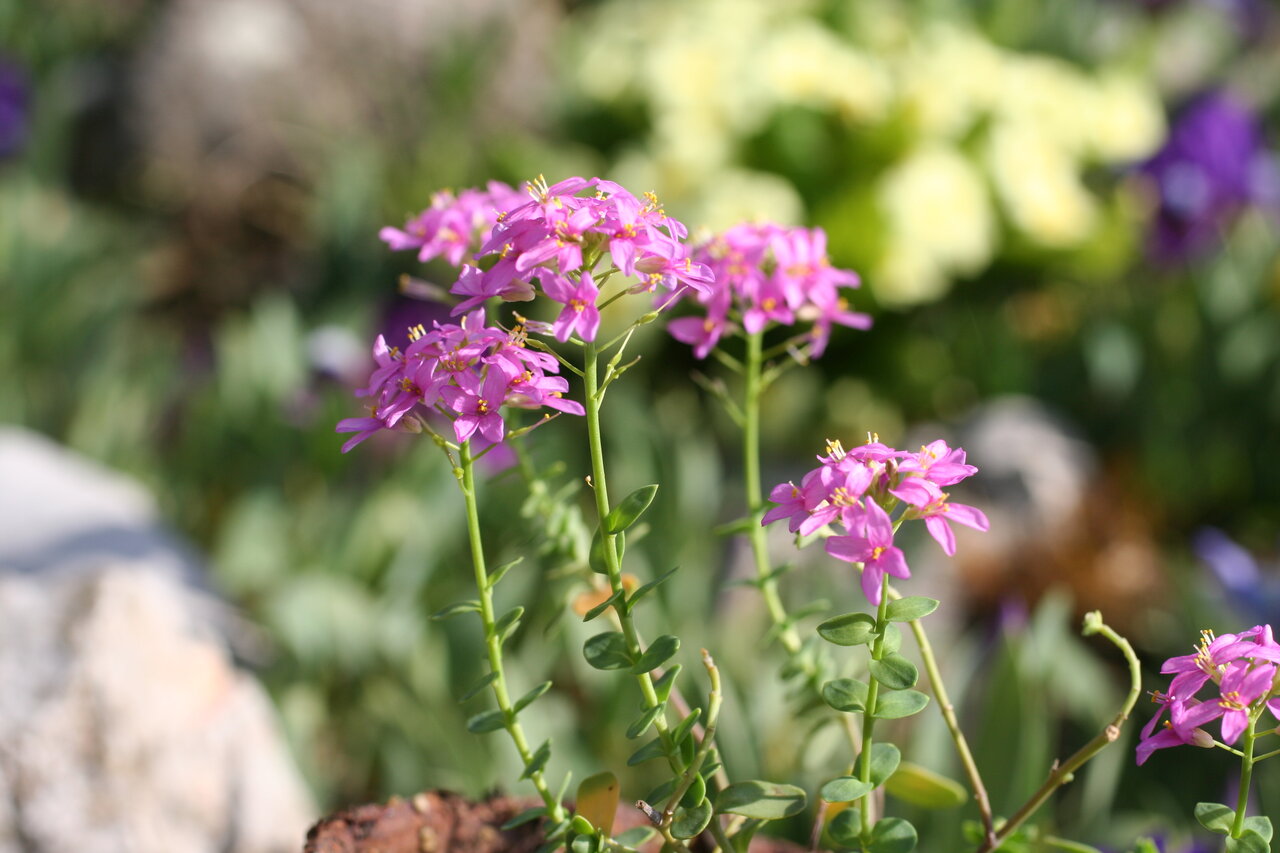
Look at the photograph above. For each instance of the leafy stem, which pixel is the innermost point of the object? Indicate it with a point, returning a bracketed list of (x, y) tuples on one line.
[(493, 636), (869, 715), (1246, 773)]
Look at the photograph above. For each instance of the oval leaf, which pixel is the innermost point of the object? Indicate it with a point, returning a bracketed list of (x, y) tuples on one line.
[(524, 817), (607, 651), (483, 682), (895, 672), (691, 821), (649, 587), (892, 835), (923, 787), (596, 557), (456, 608), (695, 793), (845, 829), (1215, 817), (892, 639), (658, 653), (604, 605), (528, 698), (652, 749), (486, 721), (910, 608), (849, 629), (685, 727), (901, 703), (663, 685), (538, 760), (763, 800), (641, 723), (1248, 842), (1261, 825), (598, 800), (507, 623), (885, 759), (845, 694), (635, 836), (845, 789), (632, 507)]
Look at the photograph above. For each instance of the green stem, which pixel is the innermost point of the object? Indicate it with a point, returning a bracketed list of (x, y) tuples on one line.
[(591, 402), (1246, 772), (1065, 771), (767, 583), (869, 716), (704, 749), (493, 642)]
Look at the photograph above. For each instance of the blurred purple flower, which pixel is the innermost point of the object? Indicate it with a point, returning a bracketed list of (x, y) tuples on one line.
[(1248, 587), (15, 108), (1213, 165)]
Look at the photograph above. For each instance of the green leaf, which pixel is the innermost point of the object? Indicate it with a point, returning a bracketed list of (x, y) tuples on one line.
[(892, 639), (895, 672), (538, 760), (525, 700), (632, 507), (500, 572), (1248, 842), (486, 721), (910, 608), (892, 835), (652, 749), (1145, 845), (845, 829), (471, 606), (923, 787), (663, 685), (658, 653), (641, 723), (1261, 825), (741, 840), (1215, 817), (662, 793), (685, 728), (1069, 846), (901, 703), (597, 800), (885, 759), (474, 690), (695, 793), (845, 694), (689, 821), (635, 836), (507, 623), (849, 629), (524, 817), (585, 844), (845, 789), (764, 800), (581, 825), (607, 651), (649, 587), (596, 557), (604, 605)]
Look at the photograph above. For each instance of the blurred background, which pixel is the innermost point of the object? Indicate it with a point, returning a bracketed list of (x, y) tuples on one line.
[(1064, 213)]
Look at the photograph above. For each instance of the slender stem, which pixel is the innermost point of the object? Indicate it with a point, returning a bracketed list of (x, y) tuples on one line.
[(591, 382), (1064, 772), (755, 498), (1265, 756), (869, 716), (953, 726), (492, 640), (1246, 772), (708, 741)]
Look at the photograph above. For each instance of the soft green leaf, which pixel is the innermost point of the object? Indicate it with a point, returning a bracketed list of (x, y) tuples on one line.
[(1215, 817), (1145, 845), (538, 760), (652, 749), (635, 836), (486, 721), (885, 759), (471, 606), (663, 685), (604, 605), (845, 694), (507, 623), (662, 793), (695, 793), (1069, 846), (1248, 842), (892, 639), (658, 653), (901, 703), (845, 789), (607, 651), (585, 844), (641, 724), (689, 821), (923, 787), (474, 690), (524, 817), (649, 587), (849, 629), (895, 672), (500, 572), (892, 835), (596, 557), (525, 700), (845, 829), (1261, 825), (764, 800), (685, 728), (631, 508), (910, 608), (581, 825)]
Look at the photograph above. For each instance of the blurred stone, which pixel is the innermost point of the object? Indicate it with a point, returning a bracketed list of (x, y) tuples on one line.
[(124, 723)]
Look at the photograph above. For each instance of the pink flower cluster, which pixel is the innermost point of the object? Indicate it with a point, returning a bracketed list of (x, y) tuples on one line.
[(859, 489), (1242, 669), (466, 372), (454, 226), (767, 273)]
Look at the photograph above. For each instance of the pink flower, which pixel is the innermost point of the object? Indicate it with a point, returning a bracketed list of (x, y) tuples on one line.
[(580, 313), (872, 546)]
